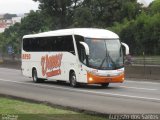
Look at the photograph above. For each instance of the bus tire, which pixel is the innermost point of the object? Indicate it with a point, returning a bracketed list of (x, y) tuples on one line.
[(73, 80), (105, 85), (35, 77)]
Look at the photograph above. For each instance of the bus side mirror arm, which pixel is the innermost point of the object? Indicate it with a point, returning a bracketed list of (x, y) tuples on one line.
[(86, 47), (126, 48)]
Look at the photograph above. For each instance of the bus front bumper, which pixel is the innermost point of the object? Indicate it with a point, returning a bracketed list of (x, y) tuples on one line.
[(94, 79)]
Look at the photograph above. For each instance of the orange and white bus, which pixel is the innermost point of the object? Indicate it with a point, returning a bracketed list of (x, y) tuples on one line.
[(79, 55)]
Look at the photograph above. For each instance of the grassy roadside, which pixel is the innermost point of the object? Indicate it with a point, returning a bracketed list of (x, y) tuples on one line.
[(19, 110)]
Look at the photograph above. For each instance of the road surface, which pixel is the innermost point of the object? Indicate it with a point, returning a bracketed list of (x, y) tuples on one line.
[(128, 97)]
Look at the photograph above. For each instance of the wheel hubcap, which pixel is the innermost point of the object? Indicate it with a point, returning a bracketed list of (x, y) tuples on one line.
[(73, 80), (35, 76)]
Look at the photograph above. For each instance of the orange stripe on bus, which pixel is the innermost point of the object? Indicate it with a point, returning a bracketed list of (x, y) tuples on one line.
[(94, 79)]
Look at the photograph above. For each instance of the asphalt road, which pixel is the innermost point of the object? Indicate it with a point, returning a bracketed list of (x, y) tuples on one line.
[(128, 97)]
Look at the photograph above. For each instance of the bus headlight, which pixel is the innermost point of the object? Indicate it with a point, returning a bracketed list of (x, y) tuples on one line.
[(90, 79)]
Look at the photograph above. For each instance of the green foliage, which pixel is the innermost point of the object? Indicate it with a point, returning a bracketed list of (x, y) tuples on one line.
[(88, 13), (82, 18), (130, 9), (33, 23), (1, 42), (60, 11), (142, 34), (155, 7), (118, 27)]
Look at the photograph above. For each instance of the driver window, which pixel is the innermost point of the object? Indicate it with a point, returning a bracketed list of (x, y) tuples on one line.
[(81, 49)]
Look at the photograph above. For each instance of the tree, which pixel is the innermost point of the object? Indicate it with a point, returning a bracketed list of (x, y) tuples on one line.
[(141, 34), (1, 41), (106, 12), (11, 38), (154, 7), (35, 22), (84, 13), (82, 18), (60, 11)]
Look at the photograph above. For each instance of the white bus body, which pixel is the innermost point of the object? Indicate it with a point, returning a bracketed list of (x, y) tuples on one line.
[(62, 55)]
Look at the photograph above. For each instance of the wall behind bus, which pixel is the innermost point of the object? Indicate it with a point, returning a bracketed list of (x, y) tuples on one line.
[(143, 72)]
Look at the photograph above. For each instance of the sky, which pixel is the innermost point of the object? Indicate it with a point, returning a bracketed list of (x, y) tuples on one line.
[(23, 6), (148, 1), (17, 6), (145, 2)]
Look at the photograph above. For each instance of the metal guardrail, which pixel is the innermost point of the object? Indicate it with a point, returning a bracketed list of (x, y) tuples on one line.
[(147, 61), (10, 58), (153, 60)]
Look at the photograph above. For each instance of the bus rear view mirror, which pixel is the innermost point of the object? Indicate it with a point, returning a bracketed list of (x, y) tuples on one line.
[(126, 48), (86, 47)]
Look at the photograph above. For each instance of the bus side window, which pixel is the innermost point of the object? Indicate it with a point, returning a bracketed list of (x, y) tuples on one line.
[(70, 45), (48, 44), (28, 44), (65, 44), (25, 44)]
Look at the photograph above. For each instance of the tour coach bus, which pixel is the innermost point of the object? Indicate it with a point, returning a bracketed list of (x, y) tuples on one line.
[(79, 55)]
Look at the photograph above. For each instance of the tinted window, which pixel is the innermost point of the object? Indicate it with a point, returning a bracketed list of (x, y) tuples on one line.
[(58, 43), (80, 48)]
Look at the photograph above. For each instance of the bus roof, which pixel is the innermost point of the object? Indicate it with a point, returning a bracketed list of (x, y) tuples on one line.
[(85, 32)]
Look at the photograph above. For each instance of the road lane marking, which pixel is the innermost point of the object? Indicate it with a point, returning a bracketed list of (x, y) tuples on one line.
[(138, 88), (83, 91)]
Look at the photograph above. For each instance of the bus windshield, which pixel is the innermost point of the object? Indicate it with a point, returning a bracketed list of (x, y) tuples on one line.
[(105, 54)]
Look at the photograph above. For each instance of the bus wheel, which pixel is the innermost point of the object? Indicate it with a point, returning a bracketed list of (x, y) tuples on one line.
[(35, 77), (105, 85), (73, 80)]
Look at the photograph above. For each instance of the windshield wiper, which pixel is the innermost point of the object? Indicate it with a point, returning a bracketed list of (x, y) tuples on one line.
[(102, 63), (108, 57), (114, 64)]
